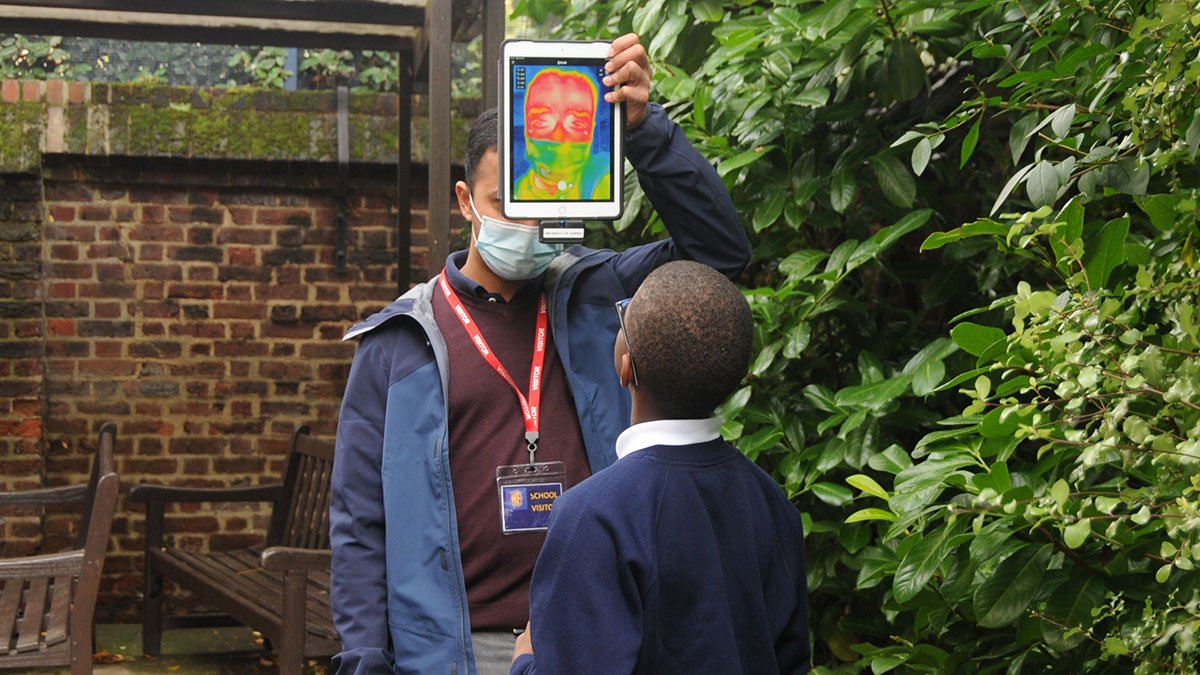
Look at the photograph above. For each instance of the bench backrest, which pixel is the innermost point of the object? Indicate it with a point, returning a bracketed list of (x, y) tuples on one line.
[(301, 518)]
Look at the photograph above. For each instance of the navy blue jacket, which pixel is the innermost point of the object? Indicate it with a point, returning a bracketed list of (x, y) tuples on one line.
[(398, 597), (676, 560)]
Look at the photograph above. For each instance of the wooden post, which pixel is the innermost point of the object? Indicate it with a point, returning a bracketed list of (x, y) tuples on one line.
[(404, 179), (493, 35), (438, 40)]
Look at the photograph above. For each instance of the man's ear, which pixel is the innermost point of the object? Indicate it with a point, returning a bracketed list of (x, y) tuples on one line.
[(463, 192)]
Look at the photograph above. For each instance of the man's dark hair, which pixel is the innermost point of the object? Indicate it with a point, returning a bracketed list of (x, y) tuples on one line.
[(484, 136), (691, 333)]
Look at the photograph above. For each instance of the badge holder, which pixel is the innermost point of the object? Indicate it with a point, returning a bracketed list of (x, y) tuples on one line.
[(527, 493), (561, 231)]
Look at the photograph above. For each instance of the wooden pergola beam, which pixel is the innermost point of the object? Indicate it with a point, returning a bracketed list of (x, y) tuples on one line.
[(185, 27)]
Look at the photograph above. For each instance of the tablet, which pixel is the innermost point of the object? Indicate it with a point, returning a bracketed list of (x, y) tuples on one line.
[(560, 142)]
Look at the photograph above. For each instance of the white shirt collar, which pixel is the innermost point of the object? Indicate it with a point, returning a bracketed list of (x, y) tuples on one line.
[(667, 432)]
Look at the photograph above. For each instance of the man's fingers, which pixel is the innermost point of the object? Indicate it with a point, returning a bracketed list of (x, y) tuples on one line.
[(631, 74), (633, 54), (622, 43)]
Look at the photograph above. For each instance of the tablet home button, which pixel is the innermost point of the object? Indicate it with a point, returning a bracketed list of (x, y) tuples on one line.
[(562, 210)]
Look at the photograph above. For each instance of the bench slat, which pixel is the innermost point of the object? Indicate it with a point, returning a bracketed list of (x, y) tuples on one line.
[(30, 630), (245, 563), (60, 605), (9, 603), (260, 591)]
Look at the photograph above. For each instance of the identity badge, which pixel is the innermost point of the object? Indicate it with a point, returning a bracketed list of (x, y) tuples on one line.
[(527, 493)]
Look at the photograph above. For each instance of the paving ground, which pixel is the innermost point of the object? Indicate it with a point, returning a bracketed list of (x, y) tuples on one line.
[(192, 651)]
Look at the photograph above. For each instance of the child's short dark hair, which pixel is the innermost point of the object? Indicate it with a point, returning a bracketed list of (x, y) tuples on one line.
[(691, 334), (484, 136)]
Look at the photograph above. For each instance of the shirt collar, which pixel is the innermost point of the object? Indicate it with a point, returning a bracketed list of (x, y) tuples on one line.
[(667, 432), (464, 284)]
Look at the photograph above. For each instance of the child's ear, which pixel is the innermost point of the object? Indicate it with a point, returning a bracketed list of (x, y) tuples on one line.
[(625, 371)]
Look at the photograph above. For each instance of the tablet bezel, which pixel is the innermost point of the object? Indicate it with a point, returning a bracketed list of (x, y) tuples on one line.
[(555, 209)]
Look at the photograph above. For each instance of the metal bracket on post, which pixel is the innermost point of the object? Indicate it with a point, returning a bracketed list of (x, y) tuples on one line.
[(343, 159)]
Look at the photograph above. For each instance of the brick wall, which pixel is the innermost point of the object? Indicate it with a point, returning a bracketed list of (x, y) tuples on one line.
[(197, 305), (22, 353)]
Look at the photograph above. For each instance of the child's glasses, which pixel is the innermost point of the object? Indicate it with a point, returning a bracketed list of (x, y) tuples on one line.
[(621, 306)]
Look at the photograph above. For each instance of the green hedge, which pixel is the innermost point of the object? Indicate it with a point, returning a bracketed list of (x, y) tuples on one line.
[(993, 434)]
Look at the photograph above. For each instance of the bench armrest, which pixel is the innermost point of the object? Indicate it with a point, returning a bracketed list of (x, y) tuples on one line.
[(161, 494), (48, 565), (291, 559), (67, 494)]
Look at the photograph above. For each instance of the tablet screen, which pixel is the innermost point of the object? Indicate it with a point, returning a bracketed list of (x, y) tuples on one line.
[(561, 145)]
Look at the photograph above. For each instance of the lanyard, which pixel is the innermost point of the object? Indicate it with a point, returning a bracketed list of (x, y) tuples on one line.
[(529, 407)]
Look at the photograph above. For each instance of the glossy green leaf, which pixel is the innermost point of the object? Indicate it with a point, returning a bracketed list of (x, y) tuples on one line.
[(1076, 533), (801, 263), (1161, 209), (1106, 252), (811, 98), (868, 485), (886, 236), (969, 142), (978, 228), (918, 566), (920, 155), (832, 493), (707, 11), (974, 338), (841, 191), (1071, 605), (1018, 137), (1012, 183), (744, 159), (905, 72), (766, 215), (1192, 135), (1042, 184), (1061, 119), (894, 179), (1008, 591), (870, 514)]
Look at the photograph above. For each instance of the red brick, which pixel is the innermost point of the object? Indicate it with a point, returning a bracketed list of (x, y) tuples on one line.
[(62, 214), (11, 91), (107, 367), (56, 93), (241, 215), (153, 214), (60, 326), (103, 213), (64, 252), (108, 348), (149, 231), (78, 91), (283, 217), (230, 310), (69, 270), (61, 290), (31, 90), (243, 255)]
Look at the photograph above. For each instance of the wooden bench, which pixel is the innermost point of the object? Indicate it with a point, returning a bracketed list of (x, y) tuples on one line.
[(47, 603), (280, 588)]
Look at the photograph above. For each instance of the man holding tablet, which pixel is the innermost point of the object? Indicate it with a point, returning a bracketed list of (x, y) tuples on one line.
[(477, 398)]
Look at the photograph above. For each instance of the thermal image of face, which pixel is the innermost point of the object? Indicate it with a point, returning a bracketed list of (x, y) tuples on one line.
[(560, 118)]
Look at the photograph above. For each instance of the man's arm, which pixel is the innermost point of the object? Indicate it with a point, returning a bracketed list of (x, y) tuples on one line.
[(358, 582), (584, 601), (684, 188)]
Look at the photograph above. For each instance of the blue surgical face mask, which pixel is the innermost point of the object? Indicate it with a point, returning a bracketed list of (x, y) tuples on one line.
[(511, 250)]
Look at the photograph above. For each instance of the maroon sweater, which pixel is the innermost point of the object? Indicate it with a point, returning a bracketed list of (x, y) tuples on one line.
[(487, 430)]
